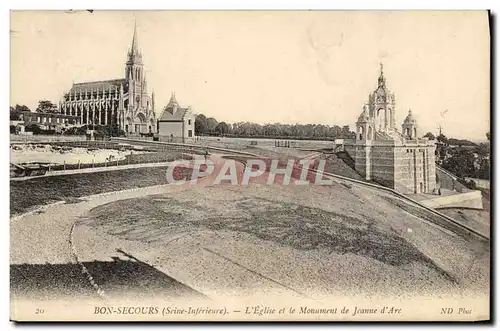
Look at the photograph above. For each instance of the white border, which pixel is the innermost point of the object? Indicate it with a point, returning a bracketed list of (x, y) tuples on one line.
[(183, 4)]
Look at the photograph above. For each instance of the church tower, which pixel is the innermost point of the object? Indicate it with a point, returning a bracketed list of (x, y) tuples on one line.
[(123, 103), (134, 76)]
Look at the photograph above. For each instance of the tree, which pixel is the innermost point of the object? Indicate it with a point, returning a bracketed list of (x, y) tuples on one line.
[(442, 138), (111, 131), (430, 136), (346, 130), (461, 163), (21, 108), (35, 128), (204, 125), (483, 150), (336, 132), (211, 124), (45, 106), (15, 112), (484, 169), (488, 135), (460, 142), (201, 124), (14, 115), (222, 128)]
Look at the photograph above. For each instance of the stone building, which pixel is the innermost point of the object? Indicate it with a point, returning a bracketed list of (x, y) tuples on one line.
[(48, 121), (176, 123), (397, 159), (122, 102)]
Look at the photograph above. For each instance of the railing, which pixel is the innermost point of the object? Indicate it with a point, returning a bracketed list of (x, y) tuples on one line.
[(127, 160), (463, 229), (157, 153), (197, 148), (44, 138)]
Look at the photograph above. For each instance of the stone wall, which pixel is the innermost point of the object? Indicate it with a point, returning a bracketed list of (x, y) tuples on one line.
[(408, 168), (480, 183), (471, 199), (382, 165), (168, 129), (189, 125), (415, 169), (449, 181)]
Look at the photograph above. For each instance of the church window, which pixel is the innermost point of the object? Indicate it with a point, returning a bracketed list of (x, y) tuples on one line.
[(189, 122)]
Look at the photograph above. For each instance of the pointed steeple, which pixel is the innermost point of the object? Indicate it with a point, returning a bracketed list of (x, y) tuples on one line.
[(135, 47), (173, 102), (172, 105), (134, 55)]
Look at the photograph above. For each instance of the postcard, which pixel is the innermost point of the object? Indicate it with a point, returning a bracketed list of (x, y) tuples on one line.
[(250, 165)]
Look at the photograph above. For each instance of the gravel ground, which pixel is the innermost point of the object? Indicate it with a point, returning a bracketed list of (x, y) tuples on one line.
[(311, 239), (43, 266), (477, 219)]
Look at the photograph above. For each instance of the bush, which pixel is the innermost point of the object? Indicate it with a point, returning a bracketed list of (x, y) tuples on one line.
[(76, 131), (35, 128), (470, 184)]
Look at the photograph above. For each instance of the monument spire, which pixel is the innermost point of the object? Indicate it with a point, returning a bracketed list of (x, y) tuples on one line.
[(381, 78)]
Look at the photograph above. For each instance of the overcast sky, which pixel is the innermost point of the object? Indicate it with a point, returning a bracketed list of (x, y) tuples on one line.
[(266, 67)]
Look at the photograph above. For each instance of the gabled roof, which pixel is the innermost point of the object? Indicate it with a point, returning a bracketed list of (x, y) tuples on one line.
[(97, 85), (173, 111), (177, 116)]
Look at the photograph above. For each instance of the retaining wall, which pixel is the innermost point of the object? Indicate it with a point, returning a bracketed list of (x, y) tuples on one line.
[(471, 199)]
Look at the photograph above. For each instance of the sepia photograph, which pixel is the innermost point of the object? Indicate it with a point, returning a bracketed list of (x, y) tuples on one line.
[(250, 165)]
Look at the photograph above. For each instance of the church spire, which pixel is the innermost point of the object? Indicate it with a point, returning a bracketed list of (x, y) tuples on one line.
[(135, 48), (134, 55)]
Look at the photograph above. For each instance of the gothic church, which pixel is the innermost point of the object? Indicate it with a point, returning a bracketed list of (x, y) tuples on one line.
[(122, 102)]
